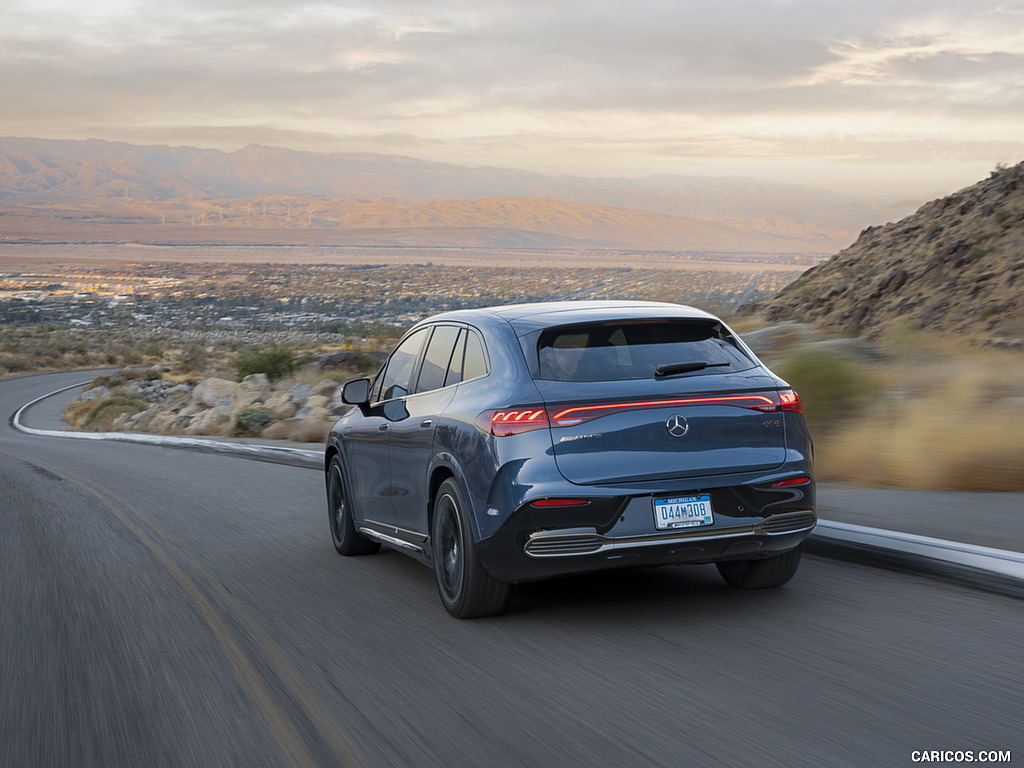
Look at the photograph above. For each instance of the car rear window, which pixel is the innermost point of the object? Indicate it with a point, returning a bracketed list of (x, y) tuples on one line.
[(634, 349)]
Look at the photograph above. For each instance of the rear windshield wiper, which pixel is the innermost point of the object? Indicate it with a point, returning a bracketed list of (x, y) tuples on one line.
[(670, 369)]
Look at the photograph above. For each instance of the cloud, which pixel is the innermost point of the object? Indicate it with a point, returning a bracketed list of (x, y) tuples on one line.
[(555, 83)]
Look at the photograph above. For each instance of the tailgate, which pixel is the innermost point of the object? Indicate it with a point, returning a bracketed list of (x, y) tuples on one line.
[(663, 430)]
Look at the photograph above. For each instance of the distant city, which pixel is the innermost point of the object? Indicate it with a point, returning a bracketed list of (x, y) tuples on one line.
[(350, 300)]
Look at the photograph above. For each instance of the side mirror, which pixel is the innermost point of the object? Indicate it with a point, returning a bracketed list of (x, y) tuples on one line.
[(356, 392)]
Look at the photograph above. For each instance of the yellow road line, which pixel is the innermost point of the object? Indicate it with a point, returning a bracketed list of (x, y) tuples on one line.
[(332, 733), (287, 736)]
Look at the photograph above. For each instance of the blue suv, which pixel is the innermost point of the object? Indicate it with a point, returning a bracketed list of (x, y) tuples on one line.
[(518, 443)]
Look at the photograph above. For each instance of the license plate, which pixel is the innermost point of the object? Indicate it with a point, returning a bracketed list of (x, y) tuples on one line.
[(683, 512)]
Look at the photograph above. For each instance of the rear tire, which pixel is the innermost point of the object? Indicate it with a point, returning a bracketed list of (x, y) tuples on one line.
[(467, 590), (761, 574), (347, 540)]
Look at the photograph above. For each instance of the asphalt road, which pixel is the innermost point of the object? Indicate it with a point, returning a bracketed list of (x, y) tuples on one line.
[(160, 607)]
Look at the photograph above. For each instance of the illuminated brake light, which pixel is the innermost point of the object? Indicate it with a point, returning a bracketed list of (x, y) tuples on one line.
[(791, 402), (791, 481), (512, 421), (573, 415)]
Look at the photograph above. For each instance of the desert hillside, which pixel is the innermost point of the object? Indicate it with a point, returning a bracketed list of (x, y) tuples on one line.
[(956, 265)]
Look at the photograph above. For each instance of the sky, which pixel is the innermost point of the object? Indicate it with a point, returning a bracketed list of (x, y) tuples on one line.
[(906, 97)]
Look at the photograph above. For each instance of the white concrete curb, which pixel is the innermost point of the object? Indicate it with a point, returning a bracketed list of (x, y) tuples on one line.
[(999, 562), (299, 457)]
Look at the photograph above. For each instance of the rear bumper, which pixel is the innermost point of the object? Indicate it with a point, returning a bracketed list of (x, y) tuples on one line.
[(558, 552)]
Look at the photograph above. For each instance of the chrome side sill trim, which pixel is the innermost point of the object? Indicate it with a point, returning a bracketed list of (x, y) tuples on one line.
[(391, 540)]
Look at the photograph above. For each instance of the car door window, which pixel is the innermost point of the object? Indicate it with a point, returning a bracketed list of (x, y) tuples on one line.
[(437, 357), (475, 363), (397, 378)]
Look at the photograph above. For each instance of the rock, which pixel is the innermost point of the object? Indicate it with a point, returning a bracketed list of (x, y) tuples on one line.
[(325, 387), (316, 401), (247, 400), (299, 392), (124, 421), (314, 413), (216, 421), (255, 384), (280, 404), (161, 423), (94, 393), (213, 392)]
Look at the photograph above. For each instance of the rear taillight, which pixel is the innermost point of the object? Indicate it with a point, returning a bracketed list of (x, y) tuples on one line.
[(547, 503), (791, 402), (513, 421), (577, 414), (519, 419)]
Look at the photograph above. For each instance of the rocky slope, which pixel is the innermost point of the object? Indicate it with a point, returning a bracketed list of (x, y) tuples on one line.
[(956, 265), (215, 406)]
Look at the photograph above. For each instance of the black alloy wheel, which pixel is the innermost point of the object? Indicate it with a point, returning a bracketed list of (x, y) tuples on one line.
[(347, 540), (467, 590)]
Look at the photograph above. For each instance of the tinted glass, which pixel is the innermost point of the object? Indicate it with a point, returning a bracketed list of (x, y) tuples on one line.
[(398, 374), (633, 349), (455, 366), (475, 363), (439, 353)]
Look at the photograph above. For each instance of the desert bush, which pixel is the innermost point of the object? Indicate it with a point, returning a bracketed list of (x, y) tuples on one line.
[(276, 363), (192, 358), (831, 388), (252, 422), (100, 415), (943, 424), (118, 378)]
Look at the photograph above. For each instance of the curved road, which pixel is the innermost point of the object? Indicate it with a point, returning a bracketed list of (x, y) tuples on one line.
[(162, 607)]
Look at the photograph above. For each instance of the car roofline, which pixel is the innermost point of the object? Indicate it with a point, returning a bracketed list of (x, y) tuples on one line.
[(574, 311)]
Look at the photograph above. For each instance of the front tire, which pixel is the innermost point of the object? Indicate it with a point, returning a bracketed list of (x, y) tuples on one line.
[(347, 540), (467, 590), (761, 574)]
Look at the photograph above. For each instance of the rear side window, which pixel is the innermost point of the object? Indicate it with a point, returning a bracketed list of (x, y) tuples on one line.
[(475, 362), (633, 349), (455, 368)]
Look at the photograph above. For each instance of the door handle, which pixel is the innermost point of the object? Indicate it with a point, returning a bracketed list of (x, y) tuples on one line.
[(383, 427), (426, 424)]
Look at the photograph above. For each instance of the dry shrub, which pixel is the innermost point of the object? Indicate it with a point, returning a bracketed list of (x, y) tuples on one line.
[(955, 426), (298, 431), (99, 415), (76, 412), (832, 388)]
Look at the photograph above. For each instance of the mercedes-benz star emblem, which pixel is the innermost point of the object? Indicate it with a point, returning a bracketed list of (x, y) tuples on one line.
[(676, 425)]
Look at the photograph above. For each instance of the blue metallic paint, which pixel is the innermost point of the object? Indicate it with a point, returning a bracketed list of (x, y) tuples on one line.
[(499, 476)]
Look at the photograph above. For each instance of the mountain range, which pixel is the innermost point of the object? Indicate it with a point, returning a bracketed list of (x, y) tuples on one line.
[(82, 190)]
